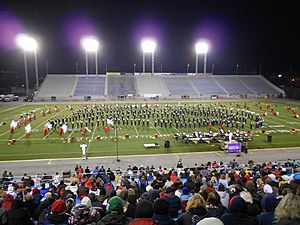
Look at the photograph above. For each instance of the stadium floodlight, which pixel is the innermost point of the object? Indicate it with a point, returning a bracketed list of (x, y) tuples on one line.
[(148, 46), (201, 48), (279, 75), (28, 44), (90, 44)]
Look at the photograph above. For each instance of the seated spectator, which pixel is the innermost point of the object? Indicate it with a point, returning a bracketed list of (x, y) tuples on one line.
[(57, 213), (84, 213), (132, 204), (224, 196), (143, 214), (30, 204), (195, 211), (214, 205), (184, 198), (268, 204), (18, 214), (210, 221), (237, 213), (174, 202), (288, 210), (161, 212), (115, 214)]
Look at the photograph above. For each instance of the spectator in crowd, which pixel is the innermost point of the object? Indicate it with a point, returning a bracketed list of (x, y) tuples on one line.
[(268, 204), (174, 202), (57, 214), (288, 210), (237, 213), (210, 221), (195, 211), (161, 212), (143, 214), (115, 214), (214, 205), (18, 214)]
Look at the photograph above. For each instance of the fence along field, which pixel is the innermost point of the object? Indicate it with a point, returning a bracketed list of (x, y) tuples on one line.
[(284, 127)]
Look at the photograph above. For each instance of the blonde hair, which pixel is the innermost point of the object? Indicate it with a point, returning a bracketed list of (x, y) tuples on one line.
[(196, 201), (28, 197), (288, 208)]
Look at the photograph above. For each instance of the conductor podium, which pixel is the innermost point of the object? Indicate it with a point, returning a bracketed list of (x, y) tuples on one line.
[(231, 147)]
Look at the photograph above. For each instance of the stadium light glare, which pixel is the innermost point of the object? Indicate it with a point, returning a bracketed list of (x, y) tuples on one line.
[(148, 45), (90, 44), (201, 48), (26, 42), (279, 75)]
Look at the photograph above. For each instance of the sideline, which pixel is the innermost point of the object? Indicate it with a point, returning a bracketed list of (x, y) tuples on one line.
[(145, 155)]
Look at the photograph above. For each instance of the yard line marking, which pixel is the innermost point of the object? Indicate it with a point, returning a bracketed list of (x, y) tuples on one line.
[(49, 161), (155, 128), (90, 143), (12, 108), (42, 123), (177, 129), (72, 132), (94, 131), (137, 133)]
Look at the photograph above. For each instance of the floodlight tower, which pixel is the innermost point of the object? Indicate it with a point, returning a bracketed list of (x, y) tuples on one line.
[(148, 46), (90, 44), (28, 44), (201, 48)]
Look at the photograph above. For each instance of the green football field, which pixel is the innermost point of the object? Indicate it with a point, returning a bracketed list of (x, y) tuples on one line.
[(100, 143)]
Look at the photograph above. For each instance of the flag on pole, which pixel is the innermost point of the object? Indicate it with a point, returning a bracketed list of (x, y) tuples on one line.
[(13, 126), (63, 129), (28, 129)]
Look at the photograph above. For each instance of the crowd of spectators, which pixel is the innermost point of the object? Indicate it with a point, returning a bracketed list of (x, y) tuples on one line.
[(211, 193)]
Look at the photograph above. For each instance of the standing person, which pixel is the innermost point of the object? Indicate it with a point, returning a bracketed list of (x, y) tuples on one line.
[(83, 147)]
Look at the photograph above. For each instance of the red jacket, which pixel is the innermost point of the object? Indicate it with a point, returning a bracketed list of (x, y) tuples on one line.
[(143, 221)]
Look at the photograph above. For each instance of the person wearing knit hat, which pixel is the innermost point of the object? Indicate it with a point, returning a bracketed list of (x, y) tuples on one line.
[(87, 202), (237, 213), (115, 204), (143, 214), (57, 213), (161, 212), (210, 221), (115, 214), (268, 189), (268, 203), (297, 177)]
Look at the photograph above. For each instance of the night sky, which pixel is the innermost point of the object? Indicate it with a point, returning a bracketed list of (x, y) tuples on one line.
[(248, 33)]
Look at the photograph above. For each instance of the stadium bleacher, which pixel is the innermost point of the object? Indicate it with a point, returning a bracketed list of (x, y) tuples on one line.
[(91, 85), (163, 86), (121, 85)]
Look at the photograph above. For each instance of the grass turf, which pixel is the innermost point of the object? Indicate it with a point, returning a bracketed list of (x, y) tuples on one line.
[(37, 146)]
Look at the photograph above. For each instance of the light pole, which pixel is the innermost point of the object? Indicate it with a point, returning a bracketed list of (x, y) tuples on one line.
[(28, 44), (187, 69), (134, 65), (201, 48), (148, 46), (90, 44)]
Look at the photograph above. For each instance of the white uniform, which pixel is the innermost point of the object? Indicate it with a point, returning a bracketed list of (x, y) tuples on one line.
[(83, 149)]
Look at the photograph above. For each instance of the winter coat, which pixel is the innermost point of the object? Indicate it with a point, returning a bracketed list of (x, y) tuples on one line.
[(265, 218), (193, 214), (114, 218), (163, 220), (174, 206), (143, 221), (53, 218), (18, 215)]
